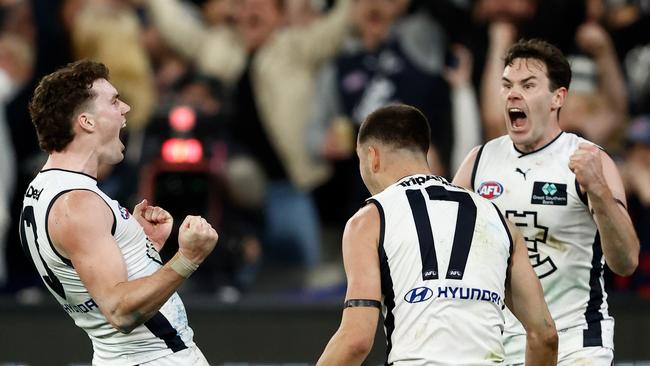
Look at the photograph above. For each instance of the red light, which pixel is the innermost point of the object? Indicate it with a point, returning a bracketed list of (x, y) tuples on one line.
[(182, 151), (193, 150), (182, 118)]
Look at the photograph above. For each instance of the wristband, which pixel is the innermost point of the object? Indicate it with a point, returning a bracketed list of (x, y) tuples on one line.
[(362, 303), (183, 266)]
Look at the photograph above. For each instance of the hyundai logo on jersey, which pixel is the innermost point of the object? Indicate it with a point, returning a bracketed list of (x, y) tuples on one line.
[(490, 190), (418, 294)]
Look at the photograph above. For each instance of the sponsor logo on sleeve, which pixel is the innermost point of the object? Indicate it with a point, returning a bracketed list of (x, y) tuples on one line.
[(548, 193), (490, 190)]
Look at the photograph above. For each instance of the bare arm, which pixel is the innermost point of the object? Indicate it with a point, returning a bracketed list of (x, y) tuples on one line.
[(353, 340), (321, 40), (184, 32), (524, 297), (465, 110), (463, 177), (96, 257), (595, 40), (501, 36), (598, 176)]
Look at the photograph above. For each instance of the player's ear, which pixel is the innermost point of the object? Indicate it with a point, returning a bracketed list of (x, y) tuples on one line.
[(85, 122), (374, 158), (559, 96)]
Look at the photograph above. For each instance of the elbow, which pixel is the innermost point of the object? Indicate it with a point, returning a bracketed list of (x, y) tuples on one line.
[(626, 269), (122, 326), (123, 322), (544, 339), (359, 347), (627, 263)]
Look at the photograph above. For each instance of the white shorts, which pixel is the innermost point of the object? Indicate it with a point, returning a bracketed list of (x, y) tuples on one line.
[(191, 356), (589, 356)]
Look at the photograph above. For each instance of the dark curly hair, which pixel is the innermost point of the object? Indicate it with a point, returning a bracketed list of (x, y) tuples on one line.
[(57, 99), (557, 67)]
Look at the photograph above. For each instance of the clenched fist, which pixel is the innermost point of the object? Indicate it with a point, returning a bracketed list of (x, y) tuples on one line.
[(196, 238), (156, 222), (586, 164)]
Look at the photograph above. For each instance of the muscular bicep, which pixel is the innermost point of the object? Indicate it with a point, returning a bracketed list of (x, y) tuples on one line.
[(360, 255), (463, 177), (80, 225), (361, 261)]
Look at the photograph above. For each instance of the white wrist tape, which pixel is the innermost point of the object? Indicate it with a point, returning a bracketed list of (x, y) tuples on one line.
[(182, 265)]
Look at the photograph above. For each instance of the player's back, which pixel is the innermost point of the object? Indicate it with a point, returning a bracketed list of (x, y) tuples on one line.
[(444, 254)]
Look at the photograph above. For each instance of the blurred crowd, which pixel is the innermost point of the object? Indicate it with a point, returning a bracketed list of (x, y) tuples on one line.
[(246, 111)]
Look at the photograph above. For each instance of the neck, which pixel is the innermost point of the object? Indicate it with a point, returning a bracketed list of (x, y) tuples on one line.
[(73, 160), (549, 135), (399, 169)]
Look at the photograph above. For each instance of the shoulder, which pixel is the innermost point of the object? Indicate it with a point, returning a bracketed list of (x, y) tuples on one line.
[(80, 206), (367, 217)]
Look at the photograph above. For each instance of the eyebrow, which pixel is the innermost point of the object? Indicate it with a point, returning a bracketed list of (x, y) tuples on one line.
[(522, 81)]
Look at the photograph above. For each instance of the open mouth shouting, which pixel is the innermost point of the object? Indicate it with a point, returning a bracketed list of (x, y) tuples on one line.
[(518, 118)]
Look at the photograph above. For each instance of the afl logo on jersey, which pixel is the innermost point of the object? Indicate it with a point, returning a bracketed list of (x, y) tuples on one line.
[(124, 212), (490, 190), (418, 294)]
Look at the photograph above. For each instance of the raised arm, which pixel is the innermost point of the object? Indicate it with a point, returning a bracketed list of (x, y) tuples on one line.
[(184, 32), (598, 176), (80, 228), (353, 340), (501, 36), (321, 40), (524, 297)]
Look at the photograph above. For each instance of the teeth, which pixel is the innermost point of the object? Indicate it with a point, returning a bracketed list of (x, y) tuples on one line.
[(515, 110)]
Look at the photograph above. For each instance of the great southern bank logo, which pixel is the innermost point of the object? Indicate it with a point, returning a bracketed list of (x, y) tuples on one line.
[(490, 190), (418, 294)]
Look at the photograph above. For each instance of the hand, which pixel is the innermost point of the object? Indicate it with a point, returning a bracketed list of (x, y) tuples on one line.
[(156, 222), (460, 75), (587, 165), (339, 142), (593, 39), (196, 238)]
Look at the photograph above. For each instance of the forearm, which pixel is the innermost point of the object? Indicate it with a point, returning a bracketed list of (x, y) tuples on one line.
[(467, 128), (339, 352), (618, 238), (181, 30), (541, 351), (611, 80), (135, 302), (323, 39), (491, 114)]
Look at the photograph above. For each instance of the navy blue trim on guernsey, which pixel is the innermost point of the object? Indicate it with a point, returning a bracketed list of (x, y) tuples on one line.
[(386, 280), (540, 149), (475, 168), (162, 328), (68, 171), (47, 216), (423, 228), (581, 194), (592, 336)]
